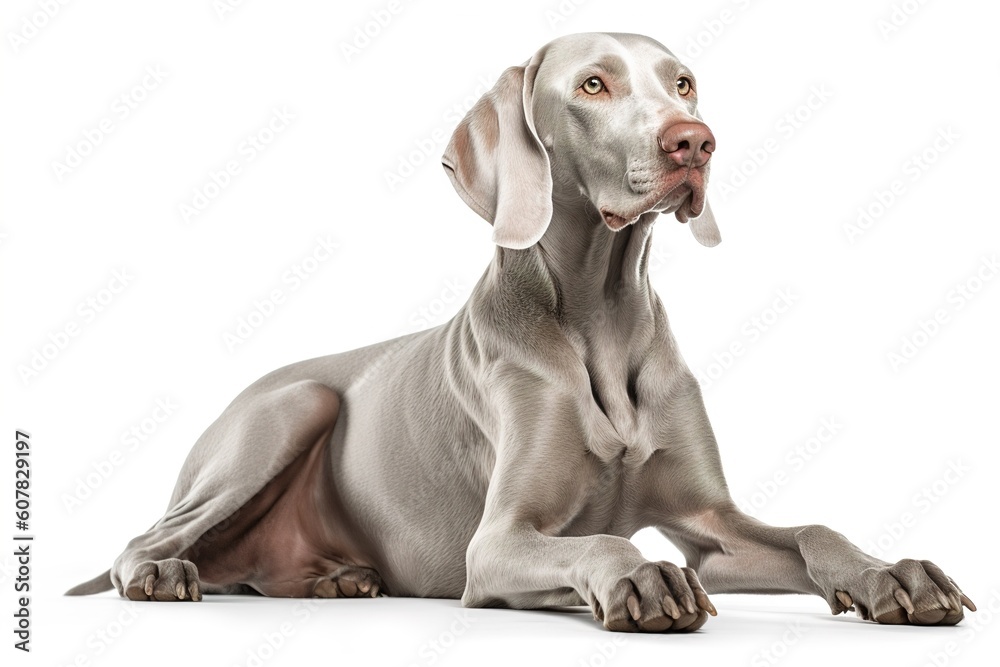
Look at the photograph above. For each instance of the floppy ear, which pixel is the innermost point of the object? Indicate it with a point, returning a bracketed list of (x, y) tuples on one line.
[(498, 165), (704, 228)]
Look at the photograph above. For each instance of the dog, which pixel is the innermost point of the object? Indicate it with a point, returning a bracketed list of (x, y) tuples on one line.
[(506, 457)]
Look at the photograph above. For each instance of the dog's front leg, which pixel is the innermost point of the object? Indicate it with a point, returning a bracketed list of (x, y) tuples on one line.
[(683, 492), (754, 557), (540, 541)]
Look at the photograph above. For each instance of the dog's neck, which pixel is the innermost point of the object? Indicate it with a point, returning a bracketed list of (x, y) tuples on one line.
[(599, 276)]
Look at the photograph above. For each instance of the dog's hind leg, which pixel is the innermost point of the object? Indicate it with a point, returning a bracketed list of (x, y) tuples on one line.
[(234, 475)]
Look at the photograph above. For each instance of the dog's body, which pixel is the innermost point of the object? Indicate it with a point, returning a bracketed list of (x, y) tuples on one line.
[(506, 456)]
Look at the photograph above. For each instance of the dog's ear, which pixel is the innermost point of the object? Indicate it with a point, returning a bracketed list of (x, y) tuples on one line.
[(704, 228), (498, 165)]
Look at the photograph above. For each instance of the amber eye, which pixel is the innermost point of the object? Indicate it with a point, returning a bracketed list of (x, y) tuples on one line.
[(592, 86), (684, 85)]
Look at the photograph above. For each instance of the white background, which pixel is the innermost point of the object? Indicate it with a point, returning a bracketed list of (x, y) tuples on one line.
[(408, 255)]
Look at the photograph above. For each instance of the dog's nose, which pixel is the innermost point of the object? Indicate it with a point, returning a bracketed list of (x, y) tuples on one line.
[(687, 143)]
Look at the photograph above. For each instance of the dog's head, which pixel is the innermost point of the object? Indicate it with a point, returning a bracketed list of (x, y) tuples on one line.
[(613, 117)]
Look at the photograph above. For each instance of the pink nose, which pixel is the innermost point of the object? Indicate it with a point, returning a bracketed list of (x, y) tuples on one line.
[(687, 143)]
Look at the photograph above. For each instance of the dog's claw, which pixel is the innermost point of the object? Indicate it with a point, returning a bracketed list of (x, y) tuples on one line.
[(633, 607), (705, 604), (326, 589), (348, 587), (967, 602), (349, 581), (195, 590), (170, 579), (903, 598), (846, 600), (670, 607)]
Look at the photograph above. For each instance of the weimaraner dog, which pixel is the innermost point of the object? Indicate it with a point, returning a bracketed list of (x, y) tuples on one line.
[(506, 457)]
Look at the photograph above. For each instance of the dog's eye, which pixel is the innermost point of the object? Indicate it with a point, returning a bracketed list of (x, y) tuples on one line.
[(683, 85), (593, 85)]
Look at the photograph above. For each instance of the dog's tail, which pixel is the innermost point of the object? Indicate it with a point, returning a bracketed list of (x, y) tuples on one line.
[(98, 584)]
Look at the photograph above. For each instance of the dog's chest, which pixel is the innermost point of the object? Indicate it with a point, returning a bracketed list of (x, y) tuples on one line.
[(605, 503), (614, 409), (616, 429)]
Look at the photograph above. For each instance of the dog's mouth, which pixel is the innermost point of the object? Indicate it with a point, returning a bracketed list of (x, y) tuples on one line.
[(691, 206), (615, 221), (682, 192)]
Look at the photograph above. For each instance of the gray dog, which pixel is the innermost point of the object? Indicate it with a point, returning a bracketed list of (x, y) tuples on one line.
[(507, 456)]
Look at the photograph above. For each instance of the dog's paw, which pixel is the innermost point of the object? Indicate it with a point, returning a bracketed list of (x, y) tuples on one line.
[(915, 592), (170, 580), (349, 581), (654, 597)]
